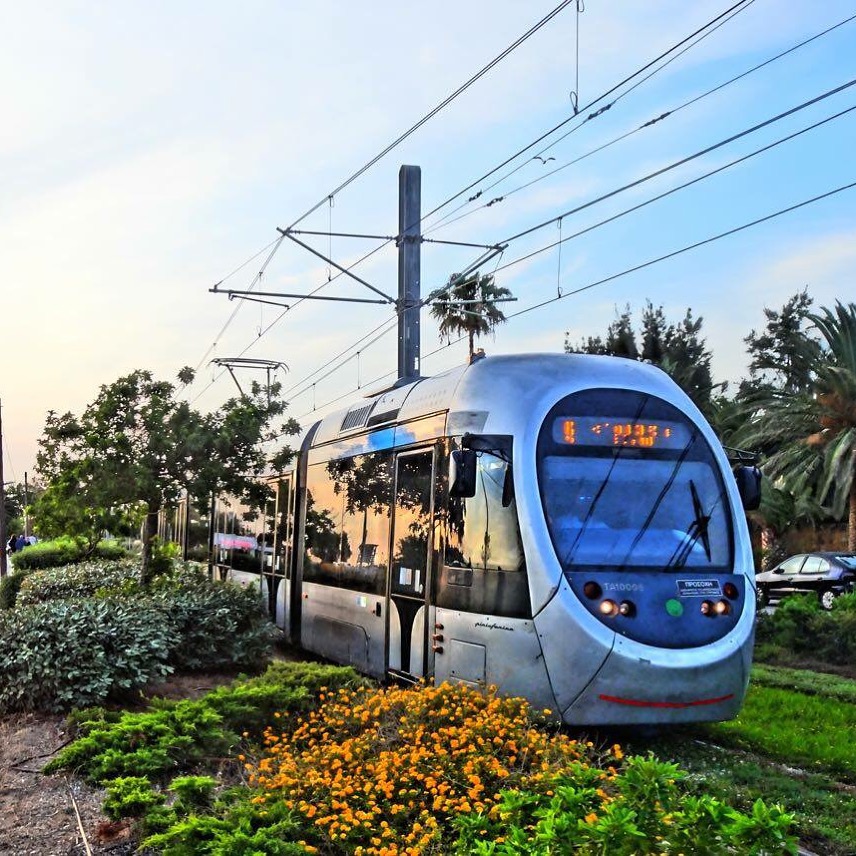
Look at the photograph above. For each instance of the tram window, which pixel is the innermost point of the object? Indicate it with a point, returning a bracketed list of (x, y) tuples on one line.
[(619, 506), (239, 540), (347, 523), (412, 523), (482, 531)]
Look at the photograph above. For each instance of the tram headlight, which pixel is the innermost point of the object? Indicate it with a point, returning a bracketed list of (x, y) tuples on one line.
[(608, 607), (722, 607), (707, 608), (627, 608)]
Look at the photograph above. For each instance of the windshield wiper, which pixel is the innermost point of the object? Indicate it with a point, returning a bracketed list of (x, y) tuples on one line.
[(698, 529), (657, 502)]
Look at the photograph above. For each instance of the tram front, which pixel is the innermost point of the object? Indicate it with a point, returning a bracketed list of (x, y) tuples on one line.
[(653, 619)]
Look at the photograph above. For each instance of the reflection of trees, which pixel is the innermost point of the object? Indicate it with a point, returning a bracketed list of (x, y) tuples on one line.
[(365, 483), (413, 495), (321, 536)]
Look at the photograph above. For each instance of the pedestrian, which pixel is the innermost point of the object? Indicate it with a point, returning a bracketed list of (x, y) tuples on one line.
[(10, 545), (20, 542)]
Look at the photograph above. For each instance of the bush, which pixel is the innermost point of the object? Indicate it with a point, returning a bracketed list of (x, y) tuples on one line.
[(175, 736), (63, 551), (66, 653), (81, 652), (219, 624), (451, 770), (800, 628), (10, 586), (84, 579)]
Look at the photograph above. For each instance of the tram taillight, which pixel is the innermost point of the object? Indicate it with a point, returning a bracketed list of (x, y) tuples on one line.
[(730, 591)]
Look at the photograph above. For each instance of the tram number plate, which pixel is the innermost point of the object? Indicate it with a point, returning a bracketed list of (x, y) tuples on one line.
[(699, 588)]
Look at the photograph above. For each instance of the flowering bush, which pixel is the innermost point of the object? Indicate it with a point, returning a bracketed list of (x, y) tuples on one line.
[(446, 769)]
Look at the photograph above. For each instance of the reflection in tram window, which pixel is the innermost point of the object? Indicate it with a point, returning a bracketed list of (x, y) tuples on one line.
[(481, 532), (239, 534), (347, 522), (412, 523)]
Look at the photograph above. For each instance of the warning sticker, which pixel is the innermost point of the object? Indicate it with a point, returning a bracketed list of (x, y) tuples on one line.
[(699, 588)]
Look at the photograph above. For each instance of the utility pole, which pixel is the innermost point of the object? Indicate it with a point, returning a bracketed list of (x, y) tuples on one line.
[(409, 270), (3, 533), (26, 506)]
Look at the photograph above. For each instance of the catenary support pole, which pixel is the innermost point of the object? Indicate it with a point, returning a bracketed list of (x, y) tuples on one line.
[(409, 270)]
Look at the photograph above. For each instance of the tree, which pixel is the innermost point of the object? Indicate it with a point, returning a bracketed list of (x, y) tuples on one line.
[(678, 349), (468, 306), (136, 448), (812, 432), (783, 356)]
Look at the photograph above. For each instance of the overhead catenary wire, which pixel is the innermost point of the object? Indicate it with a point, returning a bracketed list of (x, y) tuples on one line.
[(659, 196), (330, 197), (739, 6), (434, 111), (687, 248), (675, 164), (446, 222), (626, 272), (711, 26), (671, 191)]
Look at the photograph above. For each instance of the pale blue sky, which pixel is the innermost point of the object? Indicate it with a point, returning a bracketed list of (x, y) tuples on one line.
[(147, 150)]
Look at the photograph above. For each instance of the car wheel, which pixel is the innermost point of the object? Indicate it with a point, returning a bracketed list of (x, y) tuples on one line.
[(827, 598)]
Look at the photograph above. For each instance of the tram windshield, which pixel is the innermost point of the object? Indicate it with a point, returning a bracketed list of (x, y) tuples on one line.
[(627, 482)]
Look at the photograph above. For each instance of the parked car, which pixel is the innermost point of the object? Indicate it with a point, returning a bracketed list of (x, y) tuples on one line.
[(827, 575)]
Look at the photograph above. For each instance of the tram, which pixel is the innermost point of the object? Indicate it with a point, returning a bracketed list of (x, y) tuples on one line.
[(566, 527)]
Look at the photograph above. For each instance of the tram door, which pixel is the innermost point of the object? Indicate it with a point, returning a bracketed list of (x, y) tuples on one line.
[(278, 572), (410, 564)]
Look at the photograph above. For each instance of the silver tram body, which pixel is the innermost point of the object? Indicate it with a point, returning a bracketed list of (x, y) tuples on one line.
[(598, 564)]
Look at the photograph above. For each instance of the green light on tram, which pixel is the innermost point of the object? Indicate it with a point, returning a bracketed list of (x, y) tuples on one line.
[(674, 607)]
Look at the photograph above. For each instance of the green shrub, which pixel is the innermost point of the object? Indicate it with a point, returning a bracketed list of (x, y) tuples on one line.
[(63, 551), (80, 652), (83, 579), (10, 586), (647, 812), (219, 624), (131, 796), (156, 743), (174, 736), (799, 627), (75, 653)]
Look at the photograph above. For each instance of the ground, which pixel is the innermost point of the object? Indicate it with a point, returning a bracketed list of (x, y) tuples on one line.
[(60, 815)]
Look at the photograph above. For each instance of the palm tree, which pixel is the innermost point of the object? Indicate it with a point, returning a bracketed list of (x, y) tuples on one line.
[(811, 435), (468, 306)]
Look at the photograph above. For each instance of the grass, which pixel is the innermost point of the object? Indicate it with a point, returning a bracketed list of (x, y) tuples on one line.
[(825, 811), (810, 683), (792, 719), (811, 731)]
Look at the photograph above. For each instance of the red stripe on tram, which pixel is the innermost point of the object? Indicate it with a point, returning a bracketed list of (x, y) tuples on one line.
[(635, 702)]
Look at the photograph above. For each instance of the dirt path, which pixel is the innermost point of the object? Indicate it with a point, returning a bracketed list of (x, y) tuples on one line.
[(37, 813)]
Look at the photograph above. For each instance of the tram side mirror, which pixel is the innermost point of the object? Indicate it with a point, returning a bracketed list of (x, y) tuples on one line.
[(749, 486), (462, 473)]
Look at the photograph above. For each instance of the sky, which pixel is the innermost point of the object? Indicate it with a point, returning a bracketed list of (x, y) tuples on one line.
[(148, 151)]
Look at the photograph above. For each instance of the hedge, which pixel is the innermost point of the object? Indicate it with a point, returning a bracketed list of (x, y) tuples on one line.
[(77, 653)]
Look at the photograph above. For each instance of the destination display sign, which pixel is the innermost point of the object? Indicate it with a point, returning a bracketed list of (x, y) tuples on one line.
[(620, 433), (699, 588)]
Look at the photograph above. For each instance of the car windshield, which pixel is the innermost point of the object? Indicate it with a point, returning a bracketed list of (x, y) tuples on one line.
[(849, 561), (627, 481)]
